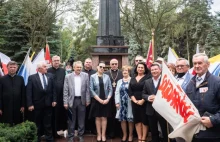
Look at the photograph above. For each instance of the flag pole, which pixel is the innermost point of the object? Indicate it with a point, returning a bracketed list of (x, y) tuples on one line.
[(153, 52)]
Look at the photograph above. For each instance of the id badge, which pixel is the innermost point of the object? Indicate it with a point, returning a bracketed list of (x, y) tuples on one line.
[(203, 89)]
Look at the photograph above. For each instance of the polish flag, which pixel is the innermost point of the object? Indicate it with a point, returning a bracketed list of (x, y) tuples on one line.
[(4, 60), (47, 55), (149, 59)]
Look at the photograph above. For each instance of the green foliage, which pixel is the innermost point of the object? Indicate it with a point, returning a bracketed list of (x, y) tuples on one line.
[(13, 35), (180, 24), (26, 131), (86, 32), (25, 24)]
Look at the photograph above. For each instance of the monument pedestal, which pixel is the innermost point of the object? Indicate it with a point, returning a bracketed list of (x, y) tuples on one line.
[(107, 52)]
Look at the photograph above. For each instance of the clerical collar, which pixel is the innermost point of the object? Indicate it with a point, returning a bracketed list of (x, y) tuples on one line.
[(56, 68), (87, 70), (114, 70), (180, 75), (11, 75)]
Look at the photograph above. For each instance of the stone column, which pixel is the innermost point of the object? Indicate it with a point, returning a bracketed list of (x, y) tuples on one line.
[(109, 18)]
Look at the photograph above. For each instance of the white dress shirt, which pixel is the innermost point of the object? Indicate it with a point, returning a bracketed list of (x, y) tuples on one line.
[(41, 79), (156, 81), (78, 83), (199, 82), (181, 80)]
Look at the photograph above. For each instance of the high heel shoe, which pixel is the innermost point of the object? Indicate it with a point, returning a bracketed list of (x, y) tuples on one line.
[(99, 140), (123, 140), (104, 140)]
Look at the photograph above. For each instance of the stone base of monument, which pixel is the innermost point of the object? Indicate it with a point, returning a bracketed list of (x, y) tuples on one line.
[(107, 52)]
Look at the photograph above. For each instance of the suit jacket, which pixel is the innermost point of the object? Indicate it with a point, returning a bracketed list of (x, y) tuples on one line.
[(36, 95), (186, 81), (94, 85), (69, 89), (147, 91)]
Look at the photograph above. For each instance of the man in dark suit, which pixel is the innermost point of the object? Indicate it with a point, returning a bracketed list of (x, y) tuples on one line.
[(41, 97), (149, 92)]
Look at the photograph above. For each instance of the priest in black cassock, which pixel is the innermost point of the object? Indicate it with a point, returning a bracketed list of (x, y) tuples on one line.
[(89, 123), (115, 74), (12, 96), (59, 116)]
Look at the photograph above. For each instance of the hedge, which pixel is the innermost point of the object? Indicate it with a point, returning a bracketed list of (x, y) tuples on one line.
[(24, 132)]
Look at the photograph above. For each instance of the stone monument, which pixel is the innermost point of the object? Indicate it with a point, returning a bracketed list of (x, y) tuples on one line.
[(110, 43)]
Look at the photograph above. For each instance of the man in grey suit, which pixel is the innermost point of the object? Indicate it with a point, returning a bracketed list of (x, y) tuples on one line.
[(75, 99)]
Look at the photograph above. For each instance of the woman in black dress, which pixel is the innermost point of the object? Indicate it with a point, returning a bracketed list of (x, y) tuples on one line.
[(138, 104), (101, 92)]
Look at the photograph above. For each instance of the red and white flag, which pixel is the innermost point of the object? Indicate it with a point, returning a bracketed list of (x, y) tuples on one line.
[(149, 59), (173, 104), (47, 54), (4, 60)]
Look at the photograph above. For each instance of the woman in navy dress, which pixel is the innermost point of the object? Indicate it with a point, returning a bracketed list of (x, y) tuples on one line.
[(123, 104), (138, 104)]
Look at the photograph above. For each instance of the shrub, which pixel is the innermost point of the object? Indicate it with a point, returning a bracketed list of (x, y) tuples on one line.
[(24, 132)]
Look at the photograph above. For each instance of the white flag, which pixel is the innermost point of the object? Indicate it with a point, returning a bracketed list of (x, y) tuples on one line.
[(173, 104), (172, 57), (37, 59)]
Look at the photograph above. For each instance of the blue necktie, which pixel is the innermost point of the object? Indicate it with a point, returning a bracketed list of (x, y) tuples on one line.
[(45, 83), (198, 79)]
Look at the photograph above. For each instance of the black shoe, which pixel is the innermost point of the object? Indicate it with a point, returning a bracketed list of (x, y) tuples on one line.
[(99, 140)]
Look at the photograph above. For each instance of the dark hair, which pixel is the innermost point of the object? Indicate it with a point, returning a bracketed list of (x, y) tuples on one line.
[(101, 62), (12, 63), (146, 70)]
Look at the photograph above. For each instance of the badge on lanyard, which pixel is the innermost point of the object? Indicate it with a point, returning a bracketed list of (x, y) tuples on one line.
[(203, 89)]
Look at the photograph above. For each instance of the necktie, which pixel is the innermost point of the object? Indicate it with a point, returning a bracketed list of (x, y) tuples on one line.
[(44, 82), (198, 79)]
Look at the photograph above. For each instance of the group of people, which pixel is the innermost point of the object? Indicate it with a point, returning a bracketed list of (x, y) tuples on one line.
[(105, 102)]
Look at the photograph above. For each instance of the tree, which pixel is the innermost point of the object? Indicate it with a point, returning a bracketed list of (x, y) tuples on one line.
[(140, 17), (14, 37), (86, 32)]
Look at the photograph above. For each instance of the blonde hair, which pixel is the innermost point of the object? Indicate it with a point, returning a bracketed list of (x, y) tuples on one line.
[(126, 67)]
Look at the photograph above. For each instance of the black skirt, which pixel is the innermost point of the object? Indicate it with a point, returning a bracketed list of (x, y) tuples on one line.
[(99, 110)]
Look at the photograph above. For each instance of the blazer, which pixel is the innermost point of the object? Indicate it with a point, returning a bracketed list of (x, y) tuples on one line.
[(36, 95), (94, 85), (147, 91), (69, 89), (186, 81), (118, 100)]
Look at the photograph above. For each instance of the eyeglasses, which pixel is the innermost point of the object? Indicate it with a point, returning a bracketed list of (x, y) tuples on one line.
[(138, 60), (101, 67), (114, 64), (180, 66)]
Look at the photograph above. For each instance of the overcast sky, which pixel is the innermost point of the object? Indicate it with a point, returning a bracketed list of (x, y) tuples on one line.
[(69, 17), (215, 6)]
